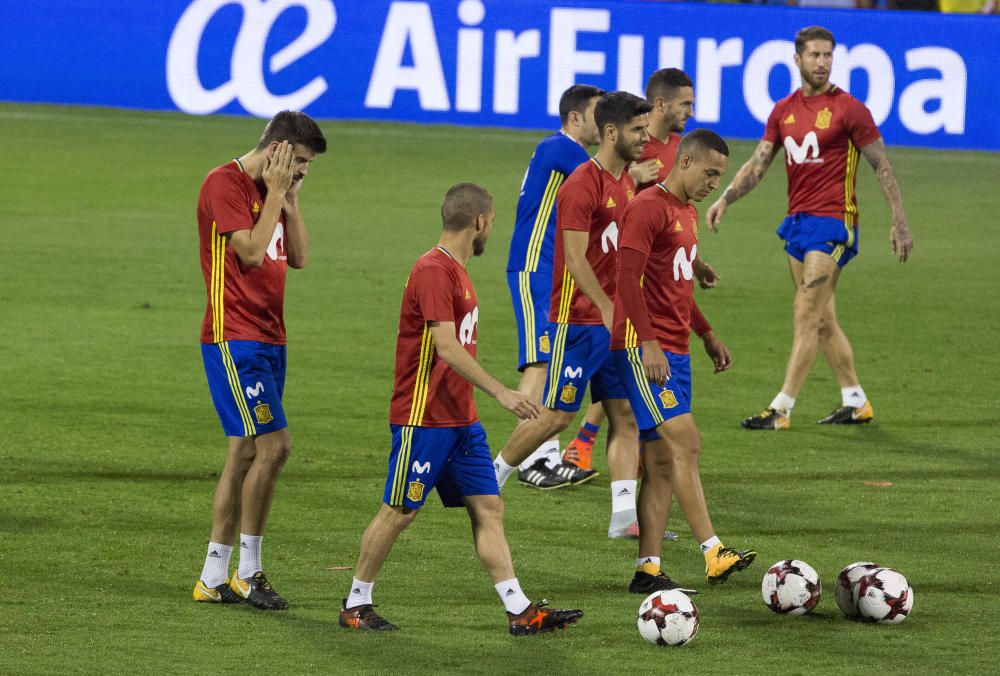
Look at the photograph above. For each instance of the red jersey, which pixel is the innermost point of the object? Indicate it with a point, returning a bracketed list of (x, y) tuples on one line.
[(244, 303), (665, 155), (655, 301), (428, 392), (821, 135), (593, 201)]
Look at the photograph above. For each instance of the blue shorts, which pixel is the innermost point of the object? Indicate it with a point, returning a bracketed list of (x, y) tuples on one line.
[(246, 379), (530, 294), (581, 354), (653, 404), (804, 233), (455, 460)]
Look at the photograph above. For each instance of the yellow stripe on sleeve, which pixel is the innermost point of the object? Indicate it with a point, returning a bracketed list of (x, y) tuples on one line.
[(850, 210), (217, 283)]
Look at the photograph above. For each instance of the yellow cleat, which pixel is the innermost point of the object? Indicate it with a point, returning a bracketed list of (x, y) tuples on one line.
[(768, 419), (850, 415), (220, 594), (721, 562)]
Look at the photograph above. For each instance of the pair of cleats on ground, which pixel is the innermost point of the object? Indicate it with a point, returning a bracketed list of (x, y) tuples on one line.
[(537, 618), (255, 591), (718, 569), (770, 419)]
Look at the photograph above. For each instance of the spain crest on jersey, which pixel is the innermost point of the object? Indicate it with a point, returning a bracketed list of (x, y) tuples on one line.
[(568, 394), (823, 118), (415, 491), (263, 413), (668, 399)]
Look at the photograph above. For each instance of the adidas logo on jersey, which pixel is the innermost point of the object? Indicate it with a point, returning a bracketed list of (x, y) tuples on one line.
[(790, 119), (677, 226), (611, 203)]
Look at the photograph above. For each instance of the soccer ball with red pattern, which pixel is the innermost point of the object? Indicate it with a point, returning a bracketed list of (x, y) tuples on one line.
[(847, 583), (883, 595), (791, 587), (668, 618)]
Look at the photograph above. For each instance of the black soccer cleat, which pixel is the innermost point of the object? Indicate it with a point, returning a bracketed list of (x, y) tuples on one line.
[(222, 593), (541, 477), (768, 419), (850, 415), (257, 591), (644, 583), (537, 619), (573, 473), (364, 618)]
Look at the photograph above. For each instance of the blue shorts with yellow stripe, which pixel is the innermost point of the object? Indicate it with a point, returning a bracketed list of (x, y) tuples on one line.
[(247, 379), (804, 232), (581, 354), (530, 294), (454, 460), (653, 404)]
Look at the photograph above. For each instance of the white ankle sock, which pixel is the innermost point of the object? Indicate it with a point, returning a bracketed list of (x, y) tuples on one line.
[(249, 556), (502, 469), (709, 543), (623, 495), (216, 568), (361, 594), (643, 560), (513, 598), (549, 451), (853, 396), (783, 404)]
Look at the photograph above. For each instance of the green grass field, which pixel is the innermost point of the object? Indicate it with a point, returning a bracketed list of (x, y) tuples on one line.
[(110, 447)]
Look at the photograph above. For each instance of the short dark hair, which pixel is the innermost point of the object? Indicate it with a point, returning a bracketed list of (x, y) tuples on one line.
[(812, 33), (576, 99), (665, 82), (699, 140), (618, 108), (295, 127), (462, 203)]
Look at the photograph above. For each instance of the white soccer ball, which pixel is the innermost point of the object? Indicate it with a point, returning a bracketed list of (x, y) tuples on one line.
[(791, 587), (668, 618), (846, 583), (883, 595)]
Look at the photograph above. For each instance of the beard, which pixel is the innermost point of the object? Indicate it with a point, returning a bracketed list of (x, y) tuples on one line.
[(478, 246), (626, 151)]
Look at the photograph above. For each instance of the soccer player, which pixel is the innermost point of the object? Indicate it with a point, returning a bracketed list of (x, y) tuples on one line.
[(529, 277), (589, 208), (823, 129), (251, 231), (437, 439), (671, 93), (654, 313)]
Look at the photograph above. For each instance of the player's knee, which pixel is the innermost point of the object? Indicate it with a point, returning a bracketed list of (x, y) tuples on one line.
[(556, 421), (275, 454), (400, 517)]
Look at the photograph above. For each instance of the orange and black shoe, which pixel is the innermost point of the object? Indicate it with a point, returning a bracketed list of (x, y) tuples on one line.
[(850, 415), (364, 618), (768, 419), (536, 618), (580, 452)]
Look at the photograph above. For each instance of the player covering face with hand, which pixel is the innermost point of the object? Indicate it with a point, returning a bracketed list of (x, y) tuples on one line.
[(437, 439)]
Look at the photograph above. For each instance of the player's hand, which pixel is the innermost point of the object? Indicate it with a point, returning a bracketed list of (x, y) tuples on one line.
[(717, 352), (705, 273), (278, 169), (644, 172), (654, 363), (715, 214), (901, 240), (519, 404), (292, 194)]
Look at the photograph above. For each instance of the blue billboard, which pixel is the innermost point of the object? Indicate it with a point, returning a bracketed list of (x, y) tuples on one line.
[(926, 77)]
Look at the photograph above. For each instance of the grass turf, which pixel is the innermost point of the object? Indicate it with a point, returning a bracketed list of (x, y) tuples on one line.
[(110, 447)]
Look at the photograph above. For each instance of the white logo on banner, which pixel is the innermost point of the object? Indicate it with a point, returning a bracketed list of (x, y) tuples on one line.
[(246, 83)]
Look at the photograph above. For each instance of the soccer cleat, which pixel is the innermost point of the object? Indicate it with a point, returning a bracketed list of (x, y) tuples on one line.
[(536, 618), (727, 561), (768, 419), (573, 473), (221, 594), (579, 453), (632, 533), (644, 583), (364, 618), (540, 476), (258, 592), (850, 415)]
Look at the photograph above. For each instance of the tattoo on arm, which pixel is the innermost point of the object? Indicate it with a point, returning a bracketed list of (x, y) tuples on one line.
[(751, 172), (877, 156)]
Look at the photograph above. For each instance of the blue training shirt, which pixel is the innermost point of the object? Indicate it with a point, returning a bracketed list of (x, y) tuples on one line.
[(532, 245)]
